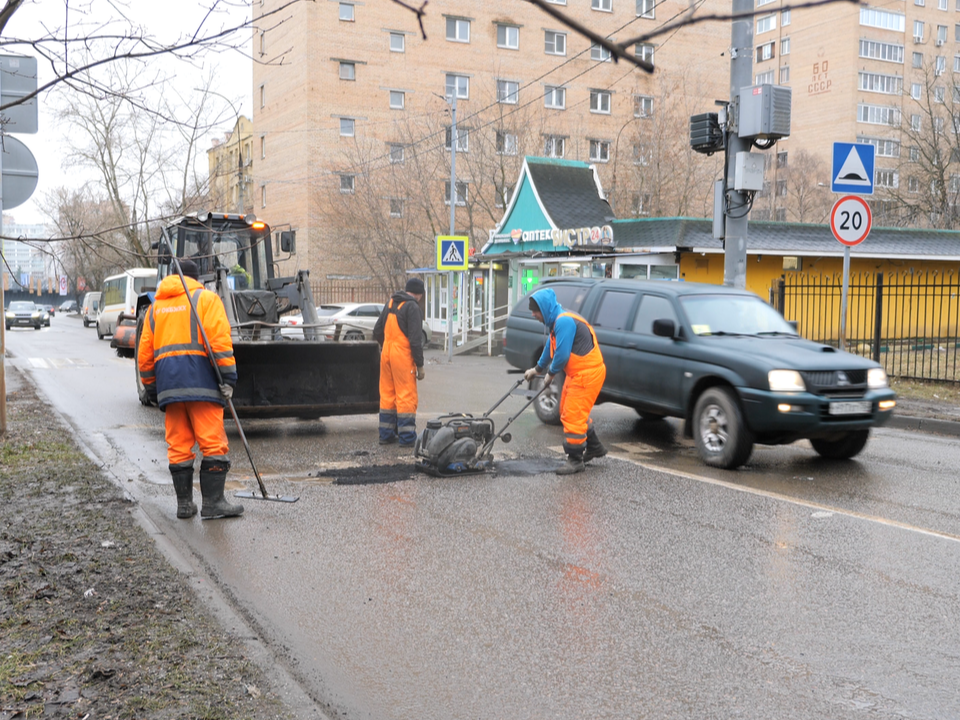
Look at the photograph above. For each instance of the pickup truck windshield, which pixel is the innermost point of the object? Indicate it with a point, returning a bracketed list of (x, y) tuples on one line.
[(733, 315)]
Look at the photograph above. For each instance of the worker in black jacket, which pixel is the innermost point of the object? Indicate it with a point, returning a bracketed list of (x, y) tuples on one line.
[(400, 334)]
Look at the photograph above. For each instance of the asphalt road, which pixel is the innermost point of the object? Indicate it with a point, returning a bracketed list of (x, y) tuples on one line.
[(649, 586)]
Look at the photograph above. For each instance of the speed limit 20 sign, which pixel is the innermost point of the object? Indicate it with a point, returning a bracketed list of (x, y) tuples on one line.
[(850, 220)]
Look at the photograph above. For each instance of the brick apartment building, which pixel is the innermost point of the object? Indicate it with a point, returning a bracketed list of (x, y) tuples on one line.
[(352, 132), (230, 167)]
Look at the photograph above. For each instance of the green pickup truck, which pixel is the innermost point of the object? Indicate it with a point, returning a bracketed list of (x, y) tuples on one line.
[(721, 359)]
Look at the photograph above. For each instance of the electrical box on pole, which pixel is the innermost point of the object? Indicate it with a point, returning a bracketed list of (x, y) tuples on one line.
[(765, 112), (706, 136)]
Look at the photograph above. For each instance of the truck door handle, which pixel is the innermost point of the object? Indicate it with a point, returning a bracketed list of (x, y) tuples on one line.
[(632, 345)]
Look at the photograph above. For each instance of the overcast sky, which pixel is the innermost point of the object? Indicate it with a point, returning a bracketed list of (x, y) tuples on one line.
[(165, 20)]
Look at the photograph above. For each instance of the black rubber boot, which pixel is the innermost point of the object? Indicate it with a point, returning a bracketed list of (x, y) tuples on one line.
[(595, 448), (213, 476), (183, 484), (573, 465)]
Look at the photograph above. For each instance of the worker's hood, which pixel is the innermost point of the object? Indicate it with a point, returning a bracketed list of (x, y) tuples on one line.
[(171, 286), (546, 299)]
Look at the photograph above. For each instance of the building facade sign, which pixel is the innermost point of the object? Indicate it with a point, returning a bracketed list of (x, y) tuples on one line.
[(588, 237)]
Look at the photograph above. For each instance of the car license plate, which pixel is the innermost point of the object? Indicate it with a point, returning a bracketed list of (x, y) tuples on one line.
[(850, 408)]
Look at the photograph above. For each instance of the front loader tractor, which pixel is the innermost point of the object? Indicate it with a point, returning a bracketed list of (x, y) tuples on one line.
[(276, 377)]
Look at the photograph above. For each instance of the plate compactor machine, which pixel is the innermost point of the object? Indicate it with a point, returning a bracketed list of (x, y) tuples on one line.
[(460, 444)]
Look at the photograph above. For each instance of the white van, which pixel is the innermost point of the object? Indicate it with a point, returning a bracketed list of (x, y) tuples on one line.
[(119, 295), (89, 308)]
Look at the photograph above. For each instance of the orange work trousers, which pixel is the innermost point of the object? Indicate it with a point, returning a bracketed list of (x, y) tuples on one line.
[(398, 393), (580, 391), (189, 424)]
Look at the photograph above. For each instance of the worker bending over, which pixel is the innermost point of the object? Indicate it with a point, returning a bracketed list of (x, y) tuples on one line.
[(574, 350), (400, 334), (176, 372)]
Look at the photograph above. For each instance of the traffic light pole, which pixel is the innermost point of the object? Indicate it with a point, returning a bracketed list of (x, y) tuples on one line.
[(737, 203)]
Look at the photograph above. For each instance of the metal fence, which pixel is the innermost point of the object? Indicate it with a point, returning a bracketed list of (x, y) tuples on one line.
[(908, 322), (344, 291)]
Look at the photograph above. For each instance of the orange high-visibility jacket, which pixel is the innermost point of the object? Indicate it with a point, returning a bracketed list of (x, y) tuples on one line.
[(172, 357)]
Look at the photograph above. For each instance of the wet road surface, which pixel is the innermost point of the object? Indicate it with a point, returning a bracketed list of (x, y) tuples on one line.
[(649, 586)]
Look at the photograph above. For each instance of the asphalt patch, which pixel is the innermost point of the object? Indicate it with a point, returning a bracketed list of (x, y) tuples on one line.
[(375, 474)]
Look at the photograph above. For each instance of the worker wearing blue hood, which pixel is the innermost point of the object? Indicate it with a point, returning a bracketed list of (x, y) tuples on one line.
[(574, 350)]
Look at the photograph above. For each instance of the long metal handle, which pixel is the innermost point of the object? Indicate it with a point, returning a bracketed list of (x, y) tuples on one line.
[(216, 370), (489, 443), (508, 394)]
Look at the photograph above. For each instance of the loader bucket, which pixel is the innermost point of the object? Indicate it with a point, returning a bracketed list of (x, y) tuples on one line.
[(306, 379)]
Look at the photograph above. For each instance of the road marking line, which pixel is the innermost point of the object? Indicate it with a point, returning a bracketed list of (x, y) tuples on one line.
[(38, 363), (796, 501)]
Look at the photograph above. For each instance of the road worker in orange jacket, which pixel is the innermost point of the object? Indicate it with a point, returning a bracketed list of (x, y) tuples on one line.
[(574, 350), (400, 334), (176, 372)]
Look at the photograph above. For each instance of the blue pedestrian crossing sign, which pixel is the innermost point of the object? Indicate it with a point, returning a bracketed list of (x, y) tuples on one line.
[(452, 252), (852, 168)]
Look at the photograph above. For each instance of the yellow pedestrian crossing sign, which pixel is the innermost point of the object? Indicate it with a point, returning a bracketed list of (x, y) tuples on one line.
[(452, 252)]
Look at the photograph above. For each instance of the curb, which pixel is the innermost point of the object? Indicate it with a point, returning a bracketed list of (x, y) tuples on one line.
[(931, 425)]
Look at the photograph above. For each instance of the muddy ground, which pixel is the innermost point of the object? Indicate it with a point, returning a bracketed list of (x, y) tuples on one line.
[(94, 622)]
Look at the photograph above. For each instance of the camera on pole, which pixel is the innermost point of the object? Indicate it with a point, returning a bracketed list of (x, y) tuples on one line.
[(705, 133)]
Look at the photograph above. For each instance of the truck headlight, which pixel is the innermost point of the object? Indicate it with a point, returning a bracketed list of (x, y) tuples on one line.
[(785, 381), (876, 378)]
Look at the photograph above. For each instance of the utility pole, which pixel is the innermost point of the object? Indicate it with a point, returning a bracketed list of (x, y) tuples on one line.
[(736, 202)]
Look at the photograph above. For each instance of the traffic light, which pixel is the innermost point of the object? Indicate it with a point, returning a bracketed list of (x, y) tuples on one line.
[(705, 133)]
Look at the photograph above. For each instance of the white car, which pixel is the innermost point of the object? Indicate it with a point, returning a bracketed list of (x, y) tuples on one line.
[(343, 321)]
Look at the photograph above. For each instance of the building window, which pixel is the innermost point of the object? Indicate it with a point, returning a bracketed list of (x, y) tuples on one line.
[(785, 46), (956, 63), (604, 5), (600, 101), (889, 52), (397, 42), (913, 184), (508, 36), (458, 30), (507, 91), (396, 208), (939, 65), (941, 34), (553, 146), (555, 97), (941, 4), (871, 17), (599, 53), (918, 31), (397, 99), (886, 178), (916, 90), (879, 83), (348, 183), (396, 154), (781, 188), (506, 143), (915, 123), (554, 43), (263, 95), (644, 51), (599, 151), (459, 84), (640, 205), (642, 106), (919, 3), (785, 17), (784, 75), (765, 51), (503, 195), (641, 155), (884, 146), (878, 114), (938, 94), (263, 42), (462, 188), (347, 127), (647, 8), (346, 12), (263, 196), (914, 154), (918, 59), (348, 71), (263, 146), (782, 159), (463, 139), (765, 78), (766, 23)]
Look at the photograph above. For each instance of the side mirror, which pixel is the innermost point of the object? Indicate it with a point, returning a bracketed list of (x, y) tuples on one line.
[(793, 324), (664, 328), (288, 241)]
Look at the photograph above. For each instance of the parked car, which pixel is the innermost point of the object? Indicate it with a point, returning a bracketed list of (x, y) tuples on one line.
[(343, 321), (68, 306), (45, 315), (23, 313), (89, 308), (721, 359), (52, 309)]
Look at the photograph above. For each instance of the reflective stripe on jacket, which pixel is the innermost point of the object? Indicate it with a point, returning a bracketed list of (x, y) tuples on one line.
[(171, 352)]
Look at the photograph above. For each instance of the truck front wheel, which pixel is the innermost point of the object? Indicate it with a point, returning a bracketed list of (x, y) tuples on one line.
[(844, 448), (722, 437)]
